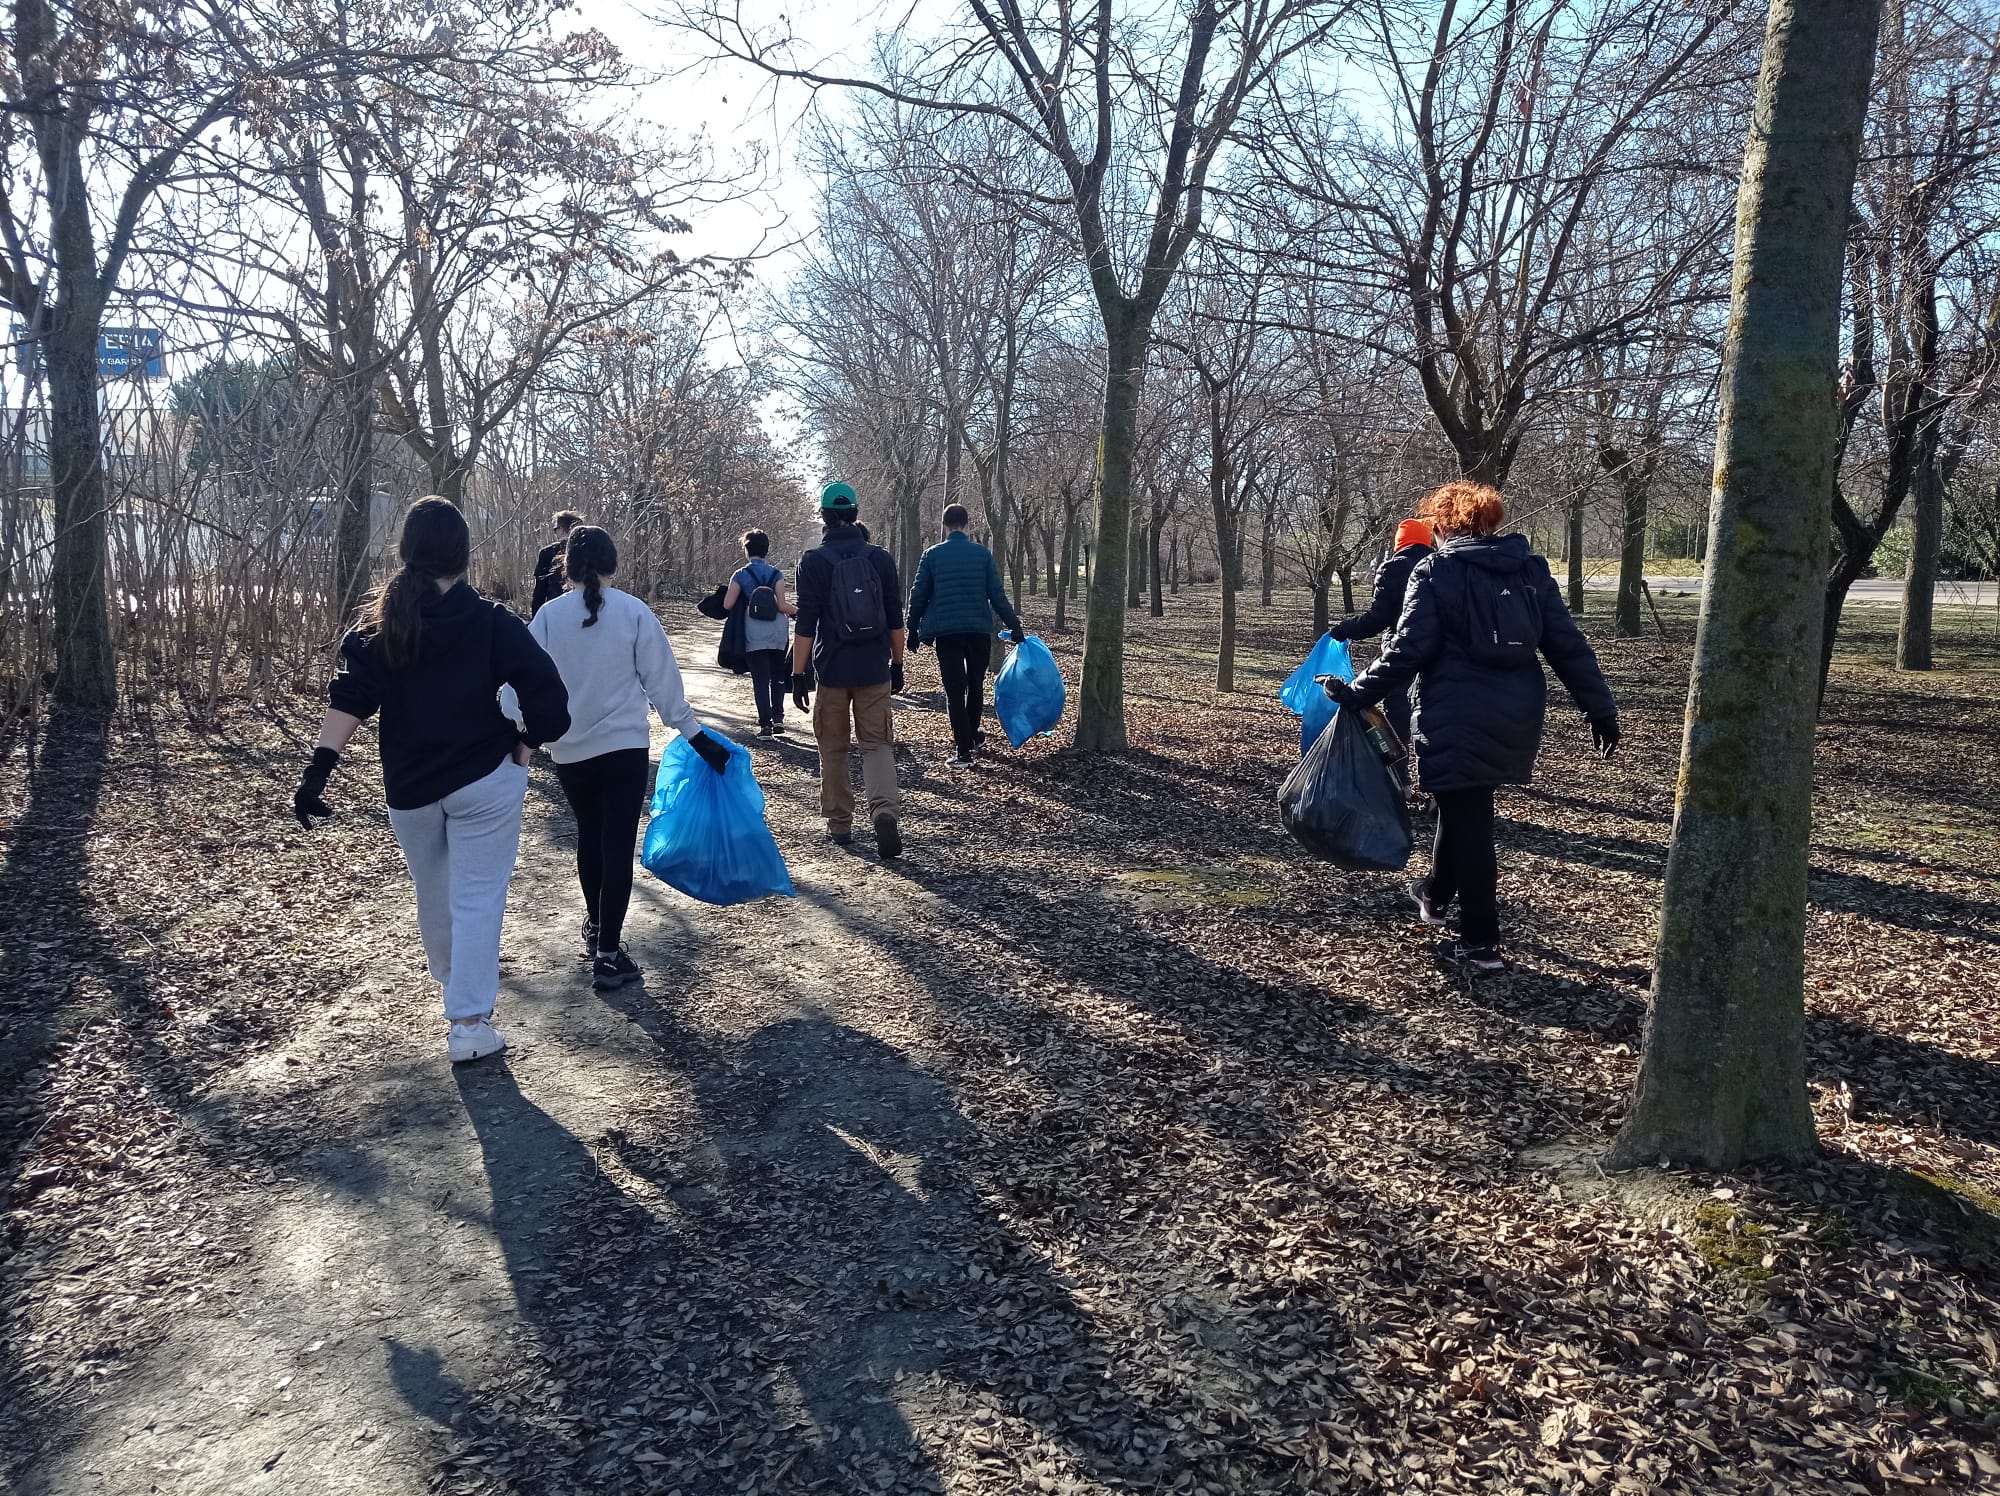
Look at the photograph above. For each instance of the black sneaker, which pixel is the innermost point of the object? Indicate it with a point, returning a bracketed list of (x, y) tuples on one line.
[(767, 731), (841, 838), (1426, 911), (1484, 959), (960, 760), (979, 737), (888, 835), (609, 972), (590, 940)]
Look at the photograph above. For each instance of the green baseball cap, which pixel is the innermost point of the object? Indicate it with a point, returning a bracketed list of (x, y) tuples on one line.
[(839, 496)]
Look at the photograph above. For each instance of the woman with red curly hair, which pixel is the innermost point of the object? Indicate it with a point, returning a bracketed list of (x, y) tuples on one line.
[(1480, 616)]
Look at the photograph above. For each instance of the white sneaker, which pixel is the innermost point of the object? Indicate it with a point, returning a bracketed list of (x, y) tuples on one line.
[(474, 1041)]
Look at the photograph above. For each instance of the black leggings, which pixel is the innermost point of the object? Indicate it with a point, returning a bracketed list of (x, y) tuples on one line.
[(1463, 864), (607, 793), (962, 661)]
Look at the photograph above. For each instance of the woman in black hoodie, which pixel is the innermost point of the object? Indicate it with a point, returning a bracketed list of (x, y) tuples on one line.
[(1480, 616), (431, 655)]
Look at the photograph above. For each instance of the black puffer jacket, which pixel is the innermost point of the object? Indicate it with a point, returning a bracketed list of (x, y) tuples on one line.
[(1392, 580), (1476, 724)]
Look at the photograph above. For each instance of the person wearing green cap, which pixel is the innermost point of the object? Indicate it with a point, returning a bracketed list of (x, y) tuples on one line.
[(848, 645)]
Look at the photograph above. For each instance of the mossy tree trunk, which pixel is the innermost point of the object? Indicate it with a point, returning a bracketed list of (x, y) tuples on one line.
[(1722, 1078)]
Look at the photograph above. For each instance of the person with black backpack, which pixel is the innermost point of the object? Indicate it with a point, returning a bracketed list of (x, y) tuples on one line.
[(1479, 617), (848, 645), (758, 588)]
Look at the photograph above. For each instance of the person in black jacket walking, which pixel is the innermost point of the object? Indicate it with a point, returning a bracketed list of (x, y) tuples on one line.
[(431, 655), (1479, 617), (549, 577), (1392, 579)]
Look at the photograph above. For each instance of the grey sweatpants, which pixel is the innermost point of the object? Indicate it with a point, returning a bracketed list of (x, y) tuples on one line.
[(461, 852)]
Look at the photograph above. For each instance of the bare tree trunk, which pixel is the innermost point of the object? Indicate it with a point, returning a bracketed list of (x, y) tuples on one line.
[(1574, 550), (1632, 555), (1322, 604), (1723, 1074), (1346, 575), (1174, 562), (1100, 719), (1153, 565), (86, 663), (1913, 635), (1270, 557), (356, 524)]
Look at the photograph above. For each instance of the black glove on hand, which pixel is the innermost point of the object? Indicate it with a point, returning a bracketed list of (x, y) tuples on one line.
[(914, 644), (1604, 735), (896, 678), (1020, 637), (308, 799), (712, 753), (1338, 691), (802, 689), (1336, 635)]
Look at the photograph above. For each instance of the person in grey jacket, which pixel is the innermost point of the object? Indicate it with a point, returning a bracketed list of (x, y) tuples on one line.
[(952, 602), (1478, 618), (614, 660)]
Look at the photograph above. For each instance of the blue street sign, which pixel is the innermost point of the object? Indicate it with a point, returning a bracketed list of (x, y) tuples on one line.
[(130, 353)]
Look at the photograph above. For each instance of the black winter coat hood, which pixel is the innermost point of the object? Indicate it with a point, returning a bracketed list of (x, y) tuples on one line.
[(1477, 725)]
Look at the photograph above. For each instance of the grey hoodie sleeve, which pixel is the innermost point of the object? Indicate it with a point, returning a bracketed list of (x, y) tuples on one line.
[(660, 674)]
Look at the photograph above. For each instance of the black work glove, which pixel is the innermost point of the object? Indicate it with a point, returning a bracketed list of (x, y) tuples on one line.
[(1339, 692), (1604, 735), (914, 644), (896, 678), (802, 689), (712, 753), (1020, 637), (1337, 634), (308, 800)]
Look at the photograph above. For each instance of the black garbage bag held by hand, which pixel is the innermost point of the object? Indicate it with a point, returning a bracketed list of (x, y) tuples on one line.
[(1346, 806)]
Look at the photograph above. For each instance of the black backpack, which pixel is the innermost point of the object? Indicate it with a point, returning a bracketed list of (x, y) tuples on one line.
[(1503, 616), (854, 598), (763, 604)]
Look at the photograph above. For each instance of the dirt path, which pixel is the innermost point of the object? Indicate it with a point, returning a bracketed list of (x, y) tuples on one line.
[(1103, 1143), (401, 1258)]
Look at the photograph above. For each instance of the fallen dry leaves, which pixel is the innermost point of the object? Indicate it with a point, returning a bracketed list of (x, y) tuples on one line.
[(1139, 1153)]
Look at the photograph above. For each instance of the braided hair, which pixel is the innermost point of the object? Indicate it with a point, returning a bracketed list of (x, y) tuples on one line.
[(434, 544), (590, 558)]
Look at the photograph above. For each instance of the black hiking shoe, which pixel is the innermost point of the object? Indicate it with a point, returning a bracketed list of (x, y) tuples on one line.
[(1426, 911), (888, 835), (608, 973), (1486, 960), (840, 838), (590, 940)]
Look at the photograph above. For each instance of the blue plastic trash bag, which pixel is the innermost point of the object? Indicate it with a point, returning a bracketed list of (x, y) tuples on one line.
[(1028, 694), (707, 836), (1317, 719), (1328, 657)]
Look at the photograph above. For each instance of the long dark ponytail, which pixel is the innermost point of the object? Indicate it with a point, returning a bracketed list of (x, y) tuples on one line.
[(435, 543), (590, 558)]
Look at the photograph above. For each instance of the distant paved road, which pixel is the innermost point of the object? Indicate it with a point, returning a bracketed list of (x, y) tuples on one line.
[(1874, 590)]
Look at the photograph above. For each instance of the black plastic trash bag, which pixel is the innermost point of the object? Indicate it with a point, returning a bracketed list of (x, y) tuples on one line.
[(1344, 805)]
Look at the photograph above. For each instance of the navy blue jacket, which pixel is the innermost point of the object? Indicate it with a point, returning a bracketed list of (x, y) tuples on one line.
[(442, 727), (1476, 726), (1392, 579), (958, 590), (835, 662)]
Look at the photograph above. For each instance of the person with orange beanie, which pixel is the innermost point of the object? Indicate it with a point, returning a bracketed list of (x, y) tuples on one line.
[(1392, 579)]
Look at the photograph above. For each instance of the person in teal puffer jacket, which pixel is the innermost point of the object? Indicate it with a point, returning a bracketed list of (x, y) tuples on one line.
[(952, 603)]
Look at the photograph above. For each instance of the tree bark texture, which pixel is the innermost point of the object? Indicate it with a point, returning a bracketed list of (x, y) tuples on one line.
[(1722, 1078), (1913, 634), (1100, 721)]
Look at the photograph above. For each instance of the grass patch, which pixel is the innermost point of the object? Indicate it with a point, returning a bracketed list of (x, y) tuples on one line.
[(1733, 1245), (1967, 1214)]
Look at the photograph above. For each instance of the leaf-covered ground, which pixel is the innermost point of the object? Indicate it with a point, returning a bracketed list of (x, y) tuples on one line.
[(1105, 1143)]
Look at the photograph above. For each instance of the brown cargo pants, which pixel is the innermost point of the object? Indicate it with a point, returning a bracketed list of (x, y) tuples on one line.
[(866, 710)]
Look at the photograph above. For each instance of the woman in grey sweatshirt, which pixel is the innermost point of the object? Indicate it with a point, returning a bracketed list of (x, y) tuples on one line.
[(615, 659)]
